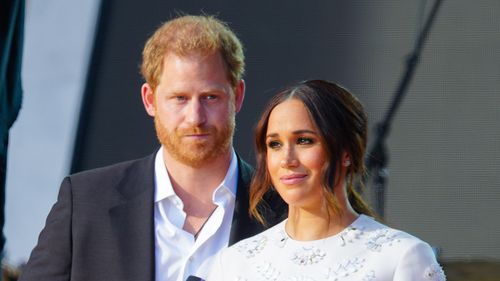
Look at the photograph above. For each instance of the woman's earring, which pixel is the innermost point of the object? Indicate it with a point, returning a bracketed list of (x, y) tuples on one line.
[(347, 163)]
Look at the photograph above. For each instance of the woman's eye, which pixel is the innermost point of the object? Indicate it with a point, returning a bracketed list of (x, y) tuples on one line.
[(274, 144), (305, 141)]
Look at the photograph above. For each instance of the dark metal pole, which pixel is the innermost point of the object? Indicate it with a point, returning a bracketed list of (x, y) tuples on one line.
[(377, 158)]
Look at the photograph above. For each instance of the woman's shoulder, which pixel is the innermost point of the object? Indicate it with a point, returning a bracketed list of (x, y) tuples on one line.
[(378, 234), (410, 255)]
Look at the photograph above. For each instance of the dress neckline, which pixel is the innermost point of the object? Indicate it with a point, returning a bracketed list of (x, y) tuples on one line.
[(351, 227)]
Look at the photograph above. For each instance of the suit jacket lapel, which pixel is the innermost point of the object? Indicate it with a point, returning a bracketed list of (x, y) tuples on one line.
[(132, 221), (132, 217), (243, 225)]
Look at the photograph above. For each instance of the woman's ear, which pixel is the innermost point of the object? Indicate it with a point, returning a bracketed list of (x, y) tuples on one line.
[(346, 159)]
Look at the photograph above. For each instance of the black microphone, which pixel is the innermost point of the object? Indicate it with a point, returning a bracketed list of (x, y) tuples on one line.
[(194, 278)]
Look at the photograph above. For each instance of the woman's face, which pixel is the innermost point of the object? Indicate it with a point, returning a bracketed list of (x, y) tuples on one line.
[(295, 155)]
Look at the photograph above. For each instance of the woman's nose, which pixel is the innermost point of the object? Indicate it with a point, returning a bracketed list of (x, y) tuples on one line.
[(289, 160)]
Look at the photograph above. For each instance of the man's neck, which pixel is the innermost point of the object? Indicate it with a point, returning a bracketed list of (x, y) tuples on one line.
[(199, 182), (195, 187)]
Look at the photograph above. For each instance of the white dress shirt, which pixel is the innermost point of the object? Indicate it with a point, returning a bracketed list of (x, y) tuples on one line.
[(177, 253)]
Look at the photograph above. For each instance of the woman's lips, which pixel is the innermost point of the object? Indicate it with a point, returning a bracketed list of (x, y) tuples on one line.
[(292, 179)]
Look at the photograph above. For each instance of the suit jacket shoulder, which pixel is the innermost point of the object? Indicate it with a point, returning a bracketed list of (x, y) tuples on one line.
[(100, 228)]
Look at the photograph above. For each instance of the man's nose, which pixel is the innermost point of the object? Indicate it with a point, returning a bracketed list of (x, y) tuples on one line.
[(196, 114)]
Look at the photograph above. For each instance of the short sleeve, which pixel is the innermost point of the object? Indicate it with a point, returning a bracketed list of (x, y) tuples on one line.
[(419, 263)]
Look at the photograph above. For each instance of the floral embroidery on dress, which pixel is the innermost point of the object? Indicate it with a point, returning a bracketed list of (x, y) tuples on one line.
[(308, 255), (350, 235), (345, 269), (267, 271), (365, 251), (300, 278), (252, 247), (381, 238), (370, 276), (434, 272)]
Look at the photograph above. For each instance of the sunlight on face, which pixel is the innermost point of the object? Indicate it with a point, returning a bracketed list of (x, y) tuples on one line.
[(295, 155), (195, 109)]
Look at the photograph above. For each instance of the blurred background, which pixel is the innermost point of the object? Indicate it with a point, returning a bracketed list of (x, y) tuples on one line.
[(82, 109)]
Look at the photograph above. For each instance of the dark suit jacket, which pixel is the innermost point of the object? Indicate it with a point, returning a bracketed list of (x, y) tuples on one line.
[(102, 228)]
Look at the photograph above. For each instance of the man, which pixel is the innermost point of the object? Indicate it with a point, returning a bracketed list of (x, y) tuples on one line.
[(165, 216)]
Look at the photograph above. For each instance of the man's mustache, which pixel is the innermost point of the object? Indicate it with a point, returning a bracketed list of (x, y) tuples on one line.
[(196, 130)]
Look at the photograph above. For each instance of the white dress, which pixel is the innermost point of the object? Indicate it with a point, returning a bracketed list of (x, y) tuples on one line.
[(365, 251)]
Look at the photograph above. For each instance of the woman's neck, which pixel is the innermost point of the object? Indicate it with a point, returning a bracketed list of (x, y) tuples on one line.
[(307, 225)]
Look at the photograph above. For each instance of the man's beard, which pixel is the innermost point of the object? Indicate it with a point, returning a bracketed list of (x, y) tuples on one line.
[(195, 153)]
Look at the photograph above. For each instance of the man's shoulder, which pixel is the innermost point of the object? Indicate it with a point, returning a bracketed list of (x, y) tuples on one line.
[(245, 173), (117, 170), (244, 166)]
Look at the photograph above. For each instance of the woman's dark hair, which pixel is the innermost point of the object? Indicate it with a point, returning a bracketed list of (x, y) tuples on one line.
[(342, 124)]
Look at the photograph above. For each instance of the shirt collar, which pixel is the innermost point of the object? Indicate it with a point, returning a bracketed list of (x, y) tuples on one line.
[(230, 181), (162, 179)]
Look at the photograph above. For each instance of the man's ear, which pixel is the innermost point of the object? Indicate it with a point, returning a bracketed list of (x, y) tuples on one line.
[(239, 95), (148, 99)]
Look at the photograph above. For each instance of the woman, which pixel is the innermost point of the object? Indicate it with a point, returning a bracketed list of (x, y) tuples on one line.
[(310, 143)]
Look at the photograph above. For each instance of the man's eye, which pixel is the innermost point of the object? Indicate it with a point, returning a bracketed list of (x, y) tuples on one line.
[(274, 144), (180, 98), (211, 97), (305, 141)]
